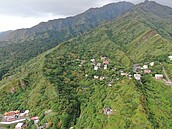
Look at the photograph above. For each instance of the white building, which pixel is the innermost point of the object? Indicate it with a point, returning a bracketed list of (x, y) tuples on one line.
[(109, 84), (102, 78), (96, 77), (145, 67), (158, 76), (170, 57), (105, 67), (93, 60), (137, 76), (98, 64), (96, 68), (152, 64)]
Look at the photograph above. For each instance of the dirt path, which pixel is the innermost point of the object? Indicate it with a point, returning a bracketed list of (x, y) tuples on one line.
[(169, 82)]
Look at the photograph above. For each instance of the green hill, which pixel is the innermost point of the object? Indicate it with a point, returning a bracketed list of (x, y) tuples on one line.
[(63, 79), (19, 46)]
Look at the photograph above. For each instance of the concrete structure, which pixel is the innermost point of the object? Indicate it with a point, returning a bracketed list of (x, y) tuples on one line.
[(158, 76)]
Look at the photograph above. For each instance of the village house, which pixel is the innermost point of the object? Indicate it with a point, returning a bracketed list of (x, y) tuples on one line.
[(109, 84), (96, 68), (123, 74), (170, 57), (35, 118), (99, 65), (106, 62), (152, 64), (93, 60), (130, 76), (96, 77), (145, 67), (137, 76), (108, 111), (103, 57), (102, 78), (136, 66), (158, 76), (147, 71), (105, 67)]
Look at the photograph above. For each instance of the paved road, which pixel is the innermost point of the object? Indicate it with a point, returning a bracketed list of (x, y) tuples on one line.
[(12, 122), (169, 82)]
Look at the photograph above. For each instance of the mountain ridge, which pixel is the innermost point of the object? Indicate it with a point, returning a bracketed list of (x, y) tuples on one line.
[(58, 24)]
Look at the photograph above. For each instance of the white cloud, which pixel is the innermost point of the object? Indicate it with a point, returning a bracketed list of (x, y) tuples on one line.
[(16, 22), (16, 14)]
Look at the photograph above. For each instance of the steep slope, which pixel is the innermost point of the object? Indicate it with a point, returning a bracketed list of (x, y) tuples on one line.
[(25, 44), (64, 80)]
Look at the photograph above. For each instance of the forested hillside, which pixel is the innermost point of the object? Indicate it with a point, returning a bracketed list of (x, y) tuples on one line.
[(89, 81), (19, 46)]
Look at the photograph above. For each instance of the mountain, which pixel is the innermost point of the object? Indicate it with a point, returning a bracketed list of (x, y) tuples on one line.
[(77, 24), (19, 46), (63, 79)]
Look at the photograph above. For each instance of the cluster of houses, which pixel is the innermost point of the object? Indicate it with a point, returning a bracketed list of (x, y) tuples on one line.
[(15, 115), (19, 116), (146, 70), (97, 65)]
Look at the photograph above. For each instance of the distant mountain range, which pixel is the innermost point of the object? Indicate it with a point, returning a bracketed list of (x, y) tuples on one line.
[(73, 25), (63, 79)]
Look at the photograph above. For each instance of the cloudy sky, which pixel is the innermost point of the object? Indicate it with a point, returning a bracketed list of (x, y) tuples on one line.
[(15, 14)]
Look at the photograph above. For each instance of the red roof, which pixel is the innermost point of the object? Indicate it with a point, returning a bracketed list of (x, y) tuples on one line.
[(35, 118)]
